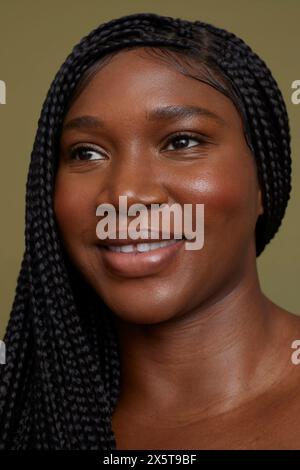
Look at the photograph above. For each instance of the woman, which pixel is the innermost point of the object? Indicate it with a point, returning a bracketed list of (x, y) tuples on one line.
[(170, 348)]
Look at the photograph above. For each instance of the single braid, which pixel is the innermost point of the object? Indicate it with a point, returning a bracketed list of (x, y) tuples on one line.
[(61, 382)]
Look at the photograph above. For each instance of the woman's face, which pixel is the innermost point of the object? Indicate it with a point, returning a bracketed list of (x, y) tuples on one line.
[(145, 160)]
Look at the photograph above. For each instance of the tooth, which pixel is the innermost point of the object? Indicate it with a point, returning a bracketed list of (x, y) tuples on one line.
[(115, 248), (142, 247), (127, 248), (167, 242)]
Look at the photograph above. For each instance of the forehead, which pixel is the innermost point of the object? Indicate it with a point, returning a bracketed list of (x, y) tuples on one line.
[(133, 82)]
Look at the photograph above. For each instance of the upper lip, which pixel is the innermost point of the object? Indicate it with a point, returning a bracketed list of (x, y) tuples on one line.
[(128, 241)]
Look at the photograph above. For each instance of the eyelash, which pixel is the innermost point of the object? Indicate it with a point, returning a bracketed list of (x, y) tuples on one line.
[(90, 147), (190, 136)]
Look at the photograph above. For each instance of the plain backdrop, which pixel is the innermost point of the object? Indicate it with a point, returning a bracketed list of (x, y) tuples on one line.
[(35, 38)]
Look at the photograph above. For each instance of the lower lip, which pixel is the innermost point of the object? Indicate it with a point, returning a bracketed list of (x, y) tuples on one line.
[(140, 264)]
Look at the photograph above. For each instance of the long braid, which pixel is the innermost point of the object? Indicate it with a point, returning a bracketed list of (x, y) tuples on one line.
[(269, 125), (62, 378)]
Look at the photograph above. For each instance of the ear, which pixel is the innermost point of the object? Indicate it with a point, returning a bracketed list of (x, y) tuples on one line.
[(260, 208)]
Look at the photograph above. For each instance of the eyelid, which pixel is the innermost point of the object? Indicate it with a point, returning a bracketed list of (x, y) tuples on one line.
[(86, 145), (192, 135)]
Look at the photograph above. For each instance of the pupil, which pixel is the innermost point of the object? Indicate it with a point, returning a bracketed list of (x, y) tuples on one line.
[(182, 142), (85, 153)]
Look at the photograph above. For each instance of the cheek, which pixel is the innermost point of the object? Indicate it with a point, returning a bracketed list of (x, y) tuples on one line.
[(229, 199), (73, 206), (228, 195)]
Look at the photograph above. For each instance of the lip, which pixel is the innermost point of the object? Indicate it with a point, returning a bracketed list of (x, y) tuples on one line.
[(136, 264)]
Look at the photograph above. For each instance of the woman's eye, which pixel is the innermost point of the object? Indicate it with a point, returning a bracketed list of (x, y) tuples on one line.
[(181, 141), (86, 153)]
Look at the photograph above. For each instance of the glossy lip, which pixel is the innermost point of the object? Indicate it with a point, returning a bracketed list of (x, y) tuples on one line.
[(136, 264)]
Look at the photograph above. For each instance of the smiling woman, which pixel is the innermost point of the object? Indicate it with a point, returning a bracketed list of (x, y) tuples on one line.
[(183, 350)]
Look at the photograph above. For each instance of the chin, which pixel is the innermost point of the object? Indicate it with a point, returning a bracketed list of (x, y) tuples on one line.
[(141, 313)]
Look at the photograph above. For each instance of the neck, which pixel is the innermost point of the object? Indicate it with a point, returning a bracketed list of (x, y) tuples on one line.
[(205, 362)]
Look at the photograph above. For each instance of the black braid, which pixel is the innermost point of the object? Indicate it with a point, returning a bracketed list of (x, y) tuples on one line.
[(62, 378)]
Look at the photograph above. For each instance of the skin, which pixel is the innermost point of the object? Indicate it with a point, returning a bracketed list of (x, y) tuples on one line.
[(206, 356)]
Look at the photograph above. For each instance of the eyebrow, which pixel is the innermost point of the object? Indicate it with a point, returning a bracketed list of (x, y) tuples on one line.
[(182, 111), (160, 113)]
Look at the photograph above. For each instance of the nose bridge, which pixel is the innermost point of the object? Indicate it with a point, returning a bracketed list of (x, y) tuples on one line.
[(135, 174)]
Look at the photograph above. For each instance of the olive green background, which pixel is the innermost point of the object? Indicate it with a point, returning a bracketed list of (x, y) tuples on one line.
[(35, 38)]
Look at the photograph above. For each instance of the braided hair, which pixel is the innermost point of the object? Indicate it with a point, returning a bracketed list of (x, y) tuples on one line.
[(62, 378)]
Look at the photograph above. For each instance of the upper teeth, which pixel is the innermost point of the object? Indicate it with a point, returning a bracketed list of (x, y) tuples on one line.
[(141, 247)]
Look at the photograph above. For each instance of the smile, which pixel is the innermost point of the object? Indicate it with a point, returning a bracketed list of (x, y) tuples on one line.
[(141, 247), (140, 259)]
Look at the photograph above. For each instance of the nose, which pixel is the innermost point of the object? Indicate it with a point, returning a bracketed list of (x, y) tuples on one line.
[(141, 181)]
